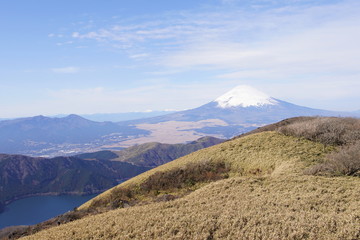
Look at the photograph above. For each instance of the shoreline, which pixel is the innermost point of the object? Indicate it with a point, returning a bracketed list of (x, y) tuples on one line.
[(3, 205), (74, 193)]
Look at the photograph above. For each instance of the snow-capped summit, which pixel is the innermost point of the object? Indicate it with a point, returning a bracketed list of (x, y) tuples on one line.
[(244, 96)]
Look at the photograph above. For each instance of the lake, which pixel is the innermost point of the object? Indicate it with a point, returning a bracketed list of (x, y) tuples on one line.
[(33, 210)]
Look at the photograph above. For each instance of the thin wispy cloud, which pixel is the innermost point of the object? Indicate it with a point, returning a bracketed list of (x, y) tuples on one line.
[(139, 56), (232, 35), (64, 43), (66, 70)]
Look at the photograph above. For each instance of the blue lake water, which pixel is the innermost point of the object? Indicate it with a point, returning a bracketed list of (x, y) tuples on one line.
[(33, 210)]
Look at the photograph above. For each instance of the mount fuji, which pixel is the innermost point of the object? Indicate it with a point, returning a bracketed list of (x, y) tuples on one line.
[(242, 109)]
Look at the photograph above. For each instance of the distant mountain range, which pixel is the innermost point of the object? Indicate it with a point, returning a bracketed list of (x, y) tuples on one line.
[(112, 117), (38, 135), (240, 110), (244, 105)]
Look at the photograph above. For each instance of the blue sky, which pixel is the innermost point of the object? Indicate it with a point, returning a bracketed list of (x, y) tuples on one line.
[(135, 55)]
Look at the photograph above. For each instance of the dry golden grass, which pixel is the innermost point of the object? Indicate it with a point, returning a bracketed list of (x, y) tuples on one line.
[(300, 207), (266, 197)]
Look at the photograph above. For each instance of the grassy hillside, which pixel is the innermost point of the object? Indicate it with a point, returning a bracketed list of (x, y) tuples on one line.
[(254, 187)]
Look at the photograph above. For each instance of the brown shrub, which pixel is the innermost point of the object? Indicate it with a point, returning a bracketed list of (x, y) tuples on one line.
[(275, 126), (326, 130), (166, 198), (344, 162), (186, 176), (119, 198), (178, 178)]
